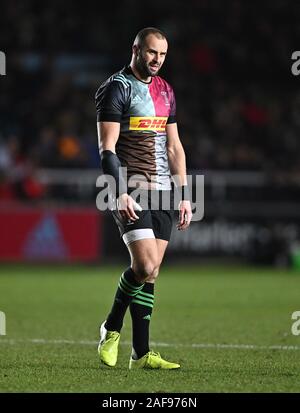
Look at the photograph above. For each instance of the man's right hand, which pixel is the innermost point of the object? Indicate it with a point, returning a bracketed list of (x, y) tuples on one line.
[(126, 206)]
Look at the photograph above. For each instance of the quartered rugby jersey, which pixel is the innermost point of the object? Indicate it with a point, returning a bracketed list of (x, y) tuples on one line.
[(143, 110)]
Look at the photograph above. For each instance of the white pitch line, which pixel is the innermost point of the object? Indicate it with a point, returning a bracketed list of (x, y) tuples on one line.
[(158, 344)]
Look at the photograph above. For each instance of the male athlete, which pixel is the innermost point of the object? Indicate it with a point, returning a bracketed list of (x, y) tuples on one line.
[(136, 121)]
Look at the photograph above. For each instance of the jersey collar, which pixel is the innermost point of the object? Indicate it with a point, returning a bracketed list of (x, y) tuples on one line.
[(129, 71)]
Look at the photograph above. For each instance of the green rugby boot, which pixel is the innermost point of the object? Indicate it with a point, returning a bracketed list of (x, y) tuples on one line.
[(152, 360), (108, 346)]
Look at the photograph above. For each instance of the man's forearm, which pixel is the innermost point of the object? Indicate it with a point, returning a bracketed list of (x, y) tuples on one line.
[(177, 165)]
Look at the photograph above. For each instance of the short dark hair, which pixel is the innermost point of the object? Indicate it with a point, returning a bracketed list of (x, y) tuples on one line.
[(142, 34)]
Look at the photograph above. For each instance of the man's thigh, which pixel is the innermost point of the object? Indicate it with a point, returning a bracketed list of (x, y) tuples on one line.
[(143, 250), (161, 245), (146, 250)]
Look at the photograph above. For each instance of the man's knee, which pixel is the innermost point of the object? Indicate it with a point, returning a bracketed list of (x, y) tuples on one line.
[(146, 271), (152, 278)]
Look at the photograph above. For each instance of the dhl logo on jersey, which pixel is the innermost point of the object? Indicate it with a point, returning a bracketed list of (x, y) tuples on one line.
[(157, 123)]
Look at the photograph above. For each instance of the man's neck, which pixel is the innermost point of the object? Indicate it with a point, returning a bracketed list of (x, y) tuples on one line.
[(138, 75)]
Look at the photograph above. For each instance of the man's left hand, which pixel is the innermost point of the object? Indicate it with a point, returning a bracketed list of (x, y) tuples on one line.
[(185, 215)]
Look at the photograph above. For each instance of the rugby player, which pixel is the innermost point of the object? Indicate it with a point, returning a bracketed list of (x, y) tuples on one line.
[(137, 129)]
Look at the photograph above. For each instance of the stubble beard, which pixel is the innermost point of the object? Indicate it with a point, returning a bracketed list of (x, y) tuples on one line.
[(144, 69)]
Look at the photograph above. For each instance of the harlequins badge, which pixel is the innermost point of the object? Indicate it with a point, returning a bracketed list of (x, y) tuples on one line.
[(164, 94)]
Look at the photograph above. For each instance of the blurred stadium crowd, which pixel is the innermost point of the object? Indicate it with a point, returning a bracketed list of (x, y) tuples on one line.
[(229, 63)]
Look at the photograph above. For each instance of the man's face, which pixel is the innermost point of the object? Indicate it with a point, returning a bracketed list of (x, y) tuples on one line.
[(151, 56)]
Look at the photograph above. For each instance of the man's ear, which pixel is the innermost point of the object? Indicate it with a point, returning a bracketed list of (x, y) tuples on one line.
[(135, 49)]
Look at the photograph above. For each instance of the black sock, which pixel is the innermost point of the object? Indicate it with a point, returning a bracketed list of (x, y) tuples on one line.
[(127, 289), (141, 309)]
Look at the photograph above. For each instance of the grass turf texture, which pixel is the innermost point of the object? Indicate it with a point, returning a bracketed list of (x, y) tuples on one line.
[(230, 305)]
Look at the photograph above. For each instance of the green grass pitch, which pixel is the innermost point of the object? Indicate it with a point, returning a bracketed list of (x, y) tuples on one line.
[(220, 323)]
